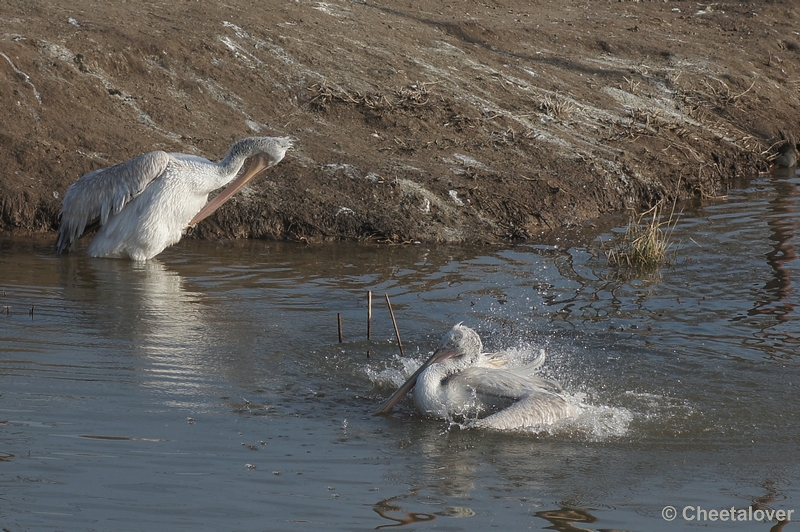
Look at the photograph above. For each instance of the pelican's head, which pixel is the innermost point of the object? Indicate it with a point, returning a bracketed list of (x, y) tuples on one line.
[(271, 148), (461, 344), (459, 349), (262, 152)]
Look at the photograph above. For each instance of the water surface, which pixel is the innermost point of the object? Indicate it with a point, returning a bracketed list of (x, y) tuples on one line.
[(207, 390)]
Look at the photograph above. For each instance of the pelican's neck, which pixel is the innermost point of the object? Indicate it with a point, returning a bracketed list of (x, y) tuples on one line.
[(433, 377), (231, 165), (430, 391)]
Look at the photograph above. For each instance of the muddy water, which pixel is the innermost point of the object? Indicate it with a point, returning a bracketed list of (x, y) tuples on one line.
[(207, 390)]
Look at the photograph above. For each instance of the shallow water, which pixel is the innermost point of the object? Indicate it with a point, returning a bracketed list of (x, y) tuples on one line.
[(207, 390)]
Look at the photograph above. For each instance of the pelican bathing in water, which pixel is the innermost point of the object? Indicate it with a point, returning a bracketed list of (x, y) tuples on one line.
[(142, 206), (459, 380)]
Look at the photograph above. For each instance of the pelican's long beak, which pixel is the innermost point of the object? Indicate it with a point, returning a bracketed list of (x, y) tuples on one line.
[(258, 164), (440, 355)]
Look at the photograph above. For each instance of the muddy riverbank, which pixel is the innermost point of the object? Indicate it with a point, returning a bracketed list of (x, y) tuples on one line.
[(460, 122)]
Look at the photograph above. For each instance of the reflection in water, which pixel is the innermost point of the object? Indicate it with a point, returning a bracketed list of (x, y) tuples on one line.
[(783, 221), (564, 518), (384, 507), (778, 527), (773, 494), (450, 472), (146, 311)]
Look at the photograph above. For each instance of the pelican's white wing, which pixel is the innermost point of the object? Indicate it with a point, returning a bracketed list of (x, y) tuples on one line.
[(537, 400), (537, 408), (98, 194), (501, 382), (498, 359), (507, 359)]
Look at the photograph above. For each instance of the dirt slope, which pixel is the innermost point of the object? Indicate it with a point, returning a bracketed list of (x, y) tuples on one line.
[(436, 121)]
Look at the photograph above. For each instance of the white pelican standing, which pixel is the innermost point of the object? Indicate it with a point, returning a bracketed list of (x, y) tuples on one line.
[(142, 206), (458, 380)]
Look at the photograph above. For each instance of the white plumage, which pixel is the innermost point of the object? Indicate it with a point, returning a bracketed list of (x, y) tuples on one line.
[(459, 381), (144, 205)]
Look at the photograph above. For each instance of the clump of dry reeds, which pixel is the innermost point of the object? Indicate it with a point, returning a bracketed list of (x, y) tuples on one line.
[(557, 106), (414, 95), (646, 242)]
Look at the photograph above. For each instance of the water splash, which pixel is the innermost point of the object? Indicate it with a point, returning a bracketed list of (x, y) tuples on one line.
[(591, 422)]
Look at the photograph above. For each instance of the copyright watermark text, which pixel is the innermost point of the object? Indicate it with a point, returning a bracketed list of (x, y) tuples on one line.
[(697, 513)]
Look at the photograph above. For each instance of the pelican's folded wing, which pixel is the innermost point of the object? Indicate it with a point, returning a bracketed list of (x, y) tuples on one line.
[(512, 359), (497, 382), (534, 409), (536, 400), (103, 192)]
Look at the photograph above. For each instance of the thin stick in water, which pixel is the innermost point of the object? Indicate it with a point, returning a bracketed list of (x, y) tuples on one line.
[(339, 321), (396, 331), (369, 314)]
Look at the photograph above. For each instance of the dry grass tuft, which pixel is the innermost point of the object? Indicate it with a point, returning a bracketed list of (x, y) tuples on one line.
[(557, 106), (646, 242), (414, 95)]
